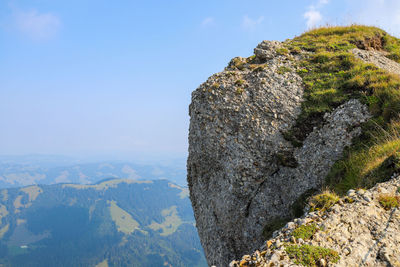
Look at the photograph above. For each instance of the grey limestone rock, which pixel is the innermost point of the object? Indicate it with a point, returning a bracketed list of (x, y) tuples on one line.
[(238, 183), (362, 235)]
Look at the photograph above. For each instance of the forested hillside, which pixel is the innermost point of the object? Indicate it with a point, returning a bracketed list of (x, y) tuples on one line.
[(111, 223)]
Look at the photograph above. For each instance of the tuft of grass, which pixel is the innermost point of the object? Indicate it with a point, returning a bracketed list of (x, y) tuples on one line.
[(237, 63), (239, 82), (332, 75), (282, 51), (305, 231), (215, 85), (308, 255), (369, 161), (282, 70), (295, 50), (230, 73), (389, 201), (239, 91), (323, 201)]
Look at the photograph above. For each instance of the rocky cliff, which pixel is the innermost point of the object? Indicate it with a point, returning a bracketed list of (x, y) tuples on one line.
[(273, 129)]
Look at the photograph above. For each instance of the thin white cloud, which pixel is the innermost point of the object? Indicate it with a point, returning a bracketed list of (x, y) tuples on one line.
[(313, 15), (38, 26), (207, 21), (250, 24), (313, 18)]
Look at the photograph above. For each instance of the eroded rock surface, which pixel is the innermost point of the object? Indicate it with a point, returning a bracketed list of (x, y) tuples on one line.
[(363, 233), (378, 58), (242, 173)]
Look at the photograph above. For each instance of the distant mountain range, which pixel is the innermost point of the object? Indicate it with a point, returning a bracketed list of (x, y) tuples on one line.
[(28, 170), (115, 222)]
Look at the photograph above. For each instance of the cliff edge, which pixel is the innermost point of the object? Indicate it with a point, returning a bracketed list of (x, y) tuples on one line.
[(273, 129)]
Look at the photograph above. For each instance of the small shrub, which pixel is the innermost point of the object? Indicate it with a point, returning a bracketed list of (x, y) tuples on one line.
[(398, 189), (323, 201), (389, 201), (305, 231), (239, 82), (308, 255)]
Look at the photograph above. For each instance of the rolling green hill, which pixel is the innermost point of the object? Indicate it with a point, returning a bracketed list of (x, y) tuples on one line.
[(111, 223)]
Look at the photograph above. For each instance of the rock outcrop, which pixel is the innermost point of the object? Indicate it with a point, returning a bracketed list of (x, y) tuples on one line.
[(242, 173), (247, 176), (362, 232)]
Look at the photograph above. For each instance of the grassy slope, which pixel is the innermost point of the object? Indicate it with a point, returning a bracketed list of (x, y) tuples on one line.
[(332, 75)]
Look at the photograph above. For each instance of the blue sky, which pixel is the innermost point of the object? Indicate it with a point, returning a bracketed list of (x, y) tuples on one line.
[(115, 77)]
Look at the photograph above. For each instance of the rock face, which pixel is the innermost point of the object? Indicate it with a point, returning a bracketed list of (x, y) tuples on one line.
[(378, 59), (362, 232), (243, 175)]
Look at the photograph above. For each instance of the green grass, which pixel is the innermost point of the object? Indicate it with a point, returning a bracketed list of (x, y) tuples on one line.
[(323, 201), (308, 255), (282, 70), (332, 75), (366, 164), (282, 51), (239, 82), (389, 201), (305, 231)]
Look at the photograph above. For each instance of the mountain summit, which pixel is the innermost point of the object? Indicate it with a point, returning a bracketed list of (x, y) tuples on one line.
[(272, 130)]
